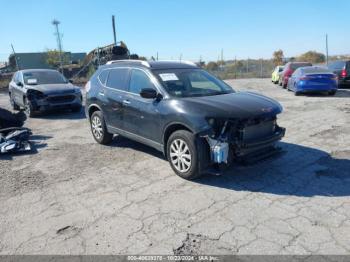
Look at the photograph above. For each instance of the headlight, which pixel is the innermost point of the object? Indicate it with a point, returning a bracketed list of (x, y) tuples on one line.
[(34, 94)]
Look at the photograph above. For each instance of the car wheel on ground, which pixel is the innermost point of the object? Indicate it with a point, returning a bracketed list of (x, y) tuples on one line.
[(187, 155), (13, 103), (332, 93), (296, 93), (28, 108), (99, 129)]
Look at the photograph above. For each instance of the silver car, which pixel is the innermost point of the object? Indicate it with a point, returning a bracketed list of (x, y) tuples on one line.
[(38, 90)]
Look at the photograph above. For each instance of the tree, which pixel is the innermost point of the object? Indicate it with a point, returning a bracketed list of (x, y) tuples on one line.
[(278, 57), (212, 66), (53, 58), (312, 57)]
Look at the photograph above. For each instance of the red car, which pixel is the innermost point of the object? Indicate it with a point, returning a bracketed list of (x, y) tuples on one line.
[(288, 70)]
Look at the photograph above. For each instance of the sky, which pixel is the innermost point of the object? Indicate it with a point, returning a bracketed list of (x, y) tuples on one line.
[(174, 28)]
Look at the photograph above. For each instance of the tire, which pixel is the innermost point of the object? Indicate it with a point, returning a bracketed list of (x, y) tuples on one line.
[(28, 108), (13, 104), (296, 93), (99, 129), (332, 93), (196, 151)]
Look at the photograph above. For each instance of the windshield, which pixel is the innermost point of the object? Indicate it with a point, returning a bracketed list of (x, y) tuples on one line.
[(44, 77), (191, 82)]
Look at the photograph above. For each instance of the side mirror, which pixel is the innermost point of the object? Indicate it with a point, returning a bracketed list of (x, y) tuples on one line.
[(19, 84), (148, 93), (70, 81)]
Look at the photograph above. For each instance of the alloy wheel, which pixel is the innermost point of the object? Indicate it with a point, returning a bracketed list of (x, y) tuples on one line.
[(96, 126), (180, 155)]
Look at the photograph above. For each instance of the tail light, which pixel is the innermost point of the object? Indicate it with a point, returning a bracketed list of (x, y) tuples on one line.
[(334, 77), (305, 78), (343, 73)]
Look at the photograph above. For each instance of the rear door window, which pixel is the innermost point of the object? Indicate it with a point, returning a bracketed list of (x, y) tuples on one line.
[(118, 78)]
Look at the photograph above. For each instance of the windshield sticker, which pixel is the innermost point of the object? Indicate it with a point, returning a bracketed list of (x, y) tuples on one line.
[(168, 77)]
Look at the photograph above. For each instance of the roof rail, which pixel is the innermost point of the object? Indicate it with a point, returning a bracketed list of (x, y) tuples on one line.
[(180, 61), (145, 63)]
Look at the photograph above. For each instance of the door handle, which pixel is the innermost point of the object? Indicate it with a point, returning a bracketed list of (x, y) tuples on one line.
[(101, 93), (126, 102)]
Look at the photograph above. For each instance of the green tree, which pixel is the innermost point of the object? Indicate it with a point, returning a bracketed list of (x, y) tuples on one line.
[(212, 66), (312, 57), (278, 57), (53, 58)]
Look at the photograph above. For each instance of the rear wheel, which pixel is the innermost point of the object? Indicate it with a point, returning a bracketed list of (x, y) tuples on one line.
[(99, 129), (187, 155), (332, 93), (296, 93)]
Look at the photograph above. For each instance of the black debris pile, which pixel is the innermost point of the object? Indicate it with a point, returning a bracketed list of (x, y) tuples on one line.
[(13, 137)]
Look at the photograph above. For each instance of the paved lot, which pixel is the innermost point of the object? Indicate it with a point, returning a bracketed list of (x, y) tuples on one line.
[(74, 196)]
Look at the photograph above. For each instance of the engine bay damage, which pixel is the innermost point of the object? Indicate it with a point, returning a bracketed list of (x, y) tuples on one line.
[(244, 141)]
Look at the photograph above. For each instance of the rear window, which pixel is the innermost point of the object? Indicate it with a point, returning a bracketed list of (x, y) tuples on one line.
[(316, 70), (103, 76), (337, 65), (118, 78), (295, 66)]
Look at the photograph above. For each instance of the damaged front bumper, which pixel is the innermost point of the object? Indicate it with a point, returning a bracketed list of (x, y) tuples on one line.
[(233, 142), (56, 102)]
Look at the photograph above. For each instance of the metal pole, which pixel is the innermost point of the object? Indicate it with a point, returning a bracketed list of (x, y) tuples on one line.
[(327, 49), (14, 53), (261, 68), (59, 43), (157, 56), (114, 33)]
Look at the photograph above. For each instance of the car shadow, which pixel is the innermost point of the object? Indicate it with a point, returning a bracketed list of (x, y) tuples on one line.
[(123, 142), (64, 114), (341, 93), (301, 171)]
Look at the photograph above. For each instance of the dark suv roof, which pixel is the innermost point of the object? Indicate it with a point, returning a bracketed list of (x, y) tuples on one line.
[(151, 64)]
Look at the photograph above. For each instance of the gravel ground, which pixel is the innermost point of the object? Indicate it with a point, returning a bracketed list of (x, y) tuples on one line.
[(73, 196)]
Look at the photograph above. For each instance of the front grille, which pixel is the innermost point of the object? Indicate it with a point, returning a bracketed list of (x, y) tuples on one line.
[(61, 99), (258, 131)]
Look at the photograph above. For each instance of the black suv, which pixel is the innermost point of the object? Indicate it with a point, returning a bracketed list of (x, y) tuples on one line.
[(199, 122), (342, 70)]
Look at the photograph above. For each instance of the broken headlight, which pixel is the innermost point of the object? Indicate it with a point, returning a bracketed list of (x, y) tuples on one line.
[(35, 94)]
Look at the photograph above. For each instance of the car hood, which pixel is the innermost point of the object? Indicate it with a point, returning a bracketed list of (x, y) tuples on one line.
[(240, 105), (52, 89)]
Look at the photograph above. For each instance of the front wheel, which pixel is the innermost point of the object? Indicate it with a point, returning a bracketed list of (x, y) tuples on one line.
[(99, 129), (188, 156), (28, 108)]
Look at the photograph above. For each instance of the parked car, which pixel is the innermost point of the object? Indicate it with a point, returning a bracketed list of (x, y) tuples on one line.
[(313, 79), (276, 74), (41, 90), (288, 70), (198, 121), (342, 70)]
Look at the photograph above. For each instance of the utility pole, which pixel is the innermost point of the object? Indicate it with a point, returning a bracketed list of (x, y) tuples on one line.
[(180, 57), (261, 68), (114, 33), (236, 67), (327, 49), (14, 53), (222, 56), (157, 56), (248, 65), (59, 42)]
